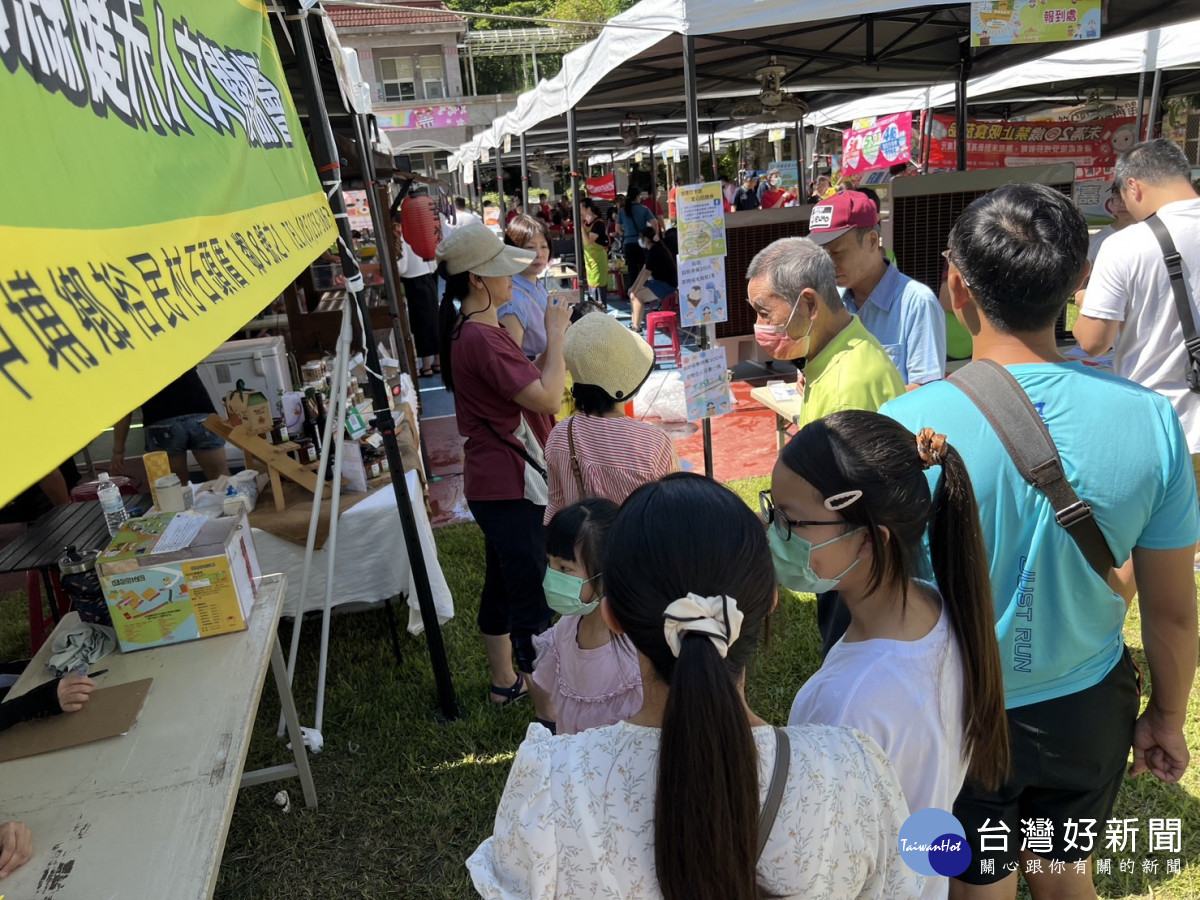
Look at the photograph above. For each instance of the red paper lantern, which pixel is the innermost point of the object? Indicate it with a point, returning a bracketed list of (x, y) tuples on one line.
[(421, 224)]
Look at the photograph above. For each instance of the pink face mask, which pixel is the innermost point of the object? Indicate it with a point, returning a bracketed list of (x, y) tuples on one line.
[(774, 339)]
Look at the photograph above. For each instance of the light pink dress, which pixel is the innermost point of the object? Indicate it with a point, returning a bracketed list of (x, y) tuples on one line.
[(590, 688)]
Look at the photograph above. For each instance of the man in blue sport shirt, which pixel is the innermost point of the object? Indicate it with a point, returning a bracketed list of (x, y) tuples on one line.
[(1071, 687), (903, 314)]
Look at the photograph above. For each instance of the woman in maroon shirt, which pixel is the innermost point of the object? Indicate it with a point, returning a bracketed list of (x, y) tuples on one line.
[(504, 405)]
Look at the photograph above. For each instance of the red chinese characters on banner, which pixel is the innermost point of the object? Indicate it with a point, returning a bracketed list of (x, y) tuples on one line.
[(999, 145), (602, 188)]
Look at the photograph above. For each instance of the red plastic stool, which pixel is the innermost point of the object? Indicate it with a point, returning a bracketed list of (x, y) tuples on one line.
[(88, 490), (41, 623), (670, 303), (669, 323)]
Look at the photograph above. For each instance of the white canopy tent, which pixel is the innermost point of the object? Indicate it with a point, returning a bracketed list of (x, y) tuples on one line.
[(1143, 51), (587, 80)]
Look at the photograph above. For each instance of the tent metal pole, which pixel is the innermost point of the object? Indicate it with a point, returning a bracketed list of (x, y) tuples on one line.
[(707, 332), (712, 154), (960, 104), (500, 186), (327, 160), (387, 268), (801, 157), (576, 209), (1141, 103), (1155, 97), (652, 191), (524, 198)]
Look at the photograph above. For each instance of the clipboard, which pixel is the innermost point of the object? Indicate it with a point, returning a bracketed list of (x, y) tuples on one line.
[(111, 711)]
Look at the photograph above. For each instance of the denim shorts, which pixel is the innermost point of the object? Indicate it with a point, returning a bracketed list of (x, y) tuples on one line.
[(179, 434)]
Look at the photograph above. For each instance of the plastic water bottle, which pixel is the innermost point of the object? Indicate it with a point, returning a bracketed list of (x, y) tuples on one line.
[(111, 503)]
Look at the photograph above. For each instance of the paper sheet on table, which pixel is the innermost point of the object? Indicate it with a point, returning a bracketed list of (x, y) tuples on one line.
[(110, 712), (180, 533)]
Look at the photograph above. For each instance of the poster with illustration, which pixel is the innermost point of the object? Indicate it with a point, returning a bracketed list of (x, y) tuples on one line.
[(789, 176), (995, 22), (702, 291), (705, 384), (879, 144), (701, 220)]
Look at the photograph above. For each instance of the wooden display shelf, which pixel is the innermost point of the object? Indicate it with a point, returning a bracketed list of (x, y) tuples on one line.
[(273, 456)]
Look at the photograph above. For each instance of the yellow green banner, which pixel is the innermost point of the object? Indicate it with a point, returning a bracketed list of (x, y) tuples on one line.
[(996, 22), (158, 195)]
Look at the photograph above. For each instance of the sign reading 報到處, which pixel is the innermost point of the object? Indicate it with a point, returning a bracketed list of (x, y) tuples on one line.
[(159, 195)]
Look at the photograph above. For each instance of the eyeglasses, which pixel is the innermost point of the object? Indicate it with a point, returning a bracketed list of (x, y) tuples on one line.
[(773, 515), (947, 255)]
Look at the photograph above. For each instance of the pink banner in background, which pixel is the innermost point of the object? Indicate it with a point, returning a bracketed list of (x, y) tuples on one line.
[(884, 144), (451, 116)]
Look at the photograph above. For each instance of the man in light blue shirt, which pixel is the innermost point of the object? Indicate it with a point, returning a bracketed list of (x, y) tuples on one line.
[(1071, 688), (903, 315)]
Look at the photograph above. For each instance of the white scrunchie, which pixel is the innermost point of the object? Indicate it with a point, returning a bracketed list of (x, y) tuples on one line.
[(718, 617)]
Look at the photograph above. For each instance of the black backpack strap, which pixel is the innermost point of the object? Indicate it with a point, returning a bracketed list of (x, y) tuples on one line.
[(1183, 306), (521, 451), (1006, 406)]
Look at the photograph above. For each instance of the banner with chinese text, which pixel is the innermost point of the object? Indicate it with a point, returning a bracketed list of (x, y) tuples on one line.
[(996, 22), (164, 197), (998, 145), (602, 188), (880, 145)]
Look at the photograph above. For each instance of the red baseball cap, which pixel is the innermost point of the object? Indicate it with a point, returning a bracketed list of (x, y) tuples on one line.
[(832, 218)]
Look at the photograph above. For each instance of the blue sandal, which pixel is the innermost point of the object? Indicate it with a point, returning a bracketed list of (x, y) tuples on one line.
[(512, 694)]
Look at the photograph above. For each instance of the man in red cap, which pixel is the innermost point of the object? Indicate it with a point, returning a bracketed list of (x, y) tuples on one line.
[(903, 315)]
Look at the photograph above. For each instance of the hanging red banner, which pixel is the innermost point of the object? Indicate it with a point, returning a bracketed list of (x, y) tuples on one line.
[(999, 145), (602, 188)]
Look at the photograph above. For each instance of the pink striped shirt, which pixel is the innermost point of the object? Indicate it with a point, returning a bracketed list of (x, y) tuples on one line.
[(616, 456)]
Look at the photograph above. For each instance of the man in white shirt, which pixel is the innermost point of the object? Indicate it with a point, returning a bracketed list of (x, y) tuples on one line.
[(462, 215), (1130, 290)]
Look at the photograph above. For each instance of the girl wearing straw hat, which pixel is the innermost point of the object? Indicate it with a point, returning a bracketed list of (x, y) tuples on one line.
[(503, 404), (599, 452)]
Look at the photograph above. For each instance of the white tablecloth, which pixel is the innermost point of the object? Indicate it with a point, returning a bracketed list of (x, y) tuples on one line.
[(372, 561)]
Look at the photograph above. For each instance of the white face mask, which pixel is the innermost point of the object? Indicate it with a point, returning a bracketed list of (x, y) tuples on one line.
[(643, 243)]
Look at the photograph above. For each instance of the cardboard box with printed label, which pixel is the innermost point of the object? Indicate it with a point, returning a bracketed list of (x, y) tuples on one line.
[(174, 577)]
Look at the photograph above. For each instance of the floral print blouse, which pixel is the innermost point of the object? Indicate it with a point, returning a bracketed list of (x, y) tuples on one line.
[(577, 818)]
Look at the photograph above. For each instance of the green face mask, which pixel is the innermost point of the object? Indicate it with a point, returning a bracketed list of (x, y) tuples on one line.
[(563, 592), (792, 566)]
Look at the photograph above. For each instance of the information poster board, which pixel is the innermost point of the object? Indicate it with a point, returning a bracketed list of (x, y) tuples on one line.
[(702, 293), (995, 22), (702, 245), (705, 386)]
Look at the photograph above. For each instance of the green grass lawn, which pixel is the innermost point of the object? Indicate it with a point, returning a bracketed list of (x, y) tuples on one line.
[(406, 797)]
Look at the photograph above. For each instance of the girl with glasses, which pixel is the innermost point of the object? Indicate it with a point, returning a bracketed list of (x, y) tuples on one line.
[(918, 668)]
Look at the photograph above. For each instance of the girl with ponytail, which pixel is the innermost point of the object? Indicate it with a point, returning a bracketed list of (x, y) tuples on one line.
[(918, 668), (694, 797)]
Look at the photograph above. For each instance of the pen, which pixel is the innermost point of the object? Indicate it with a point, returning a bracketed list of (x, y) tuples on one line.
[(82, 670)]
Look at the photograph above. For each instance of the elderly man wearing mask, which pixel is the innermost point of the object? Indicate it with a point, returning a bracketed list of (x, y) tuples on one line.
[(793, 290)]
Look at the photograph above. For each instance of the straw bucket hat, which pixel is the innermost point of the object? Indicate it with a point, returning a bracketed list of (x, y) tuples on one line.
[(601, 351), (473, 247)]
